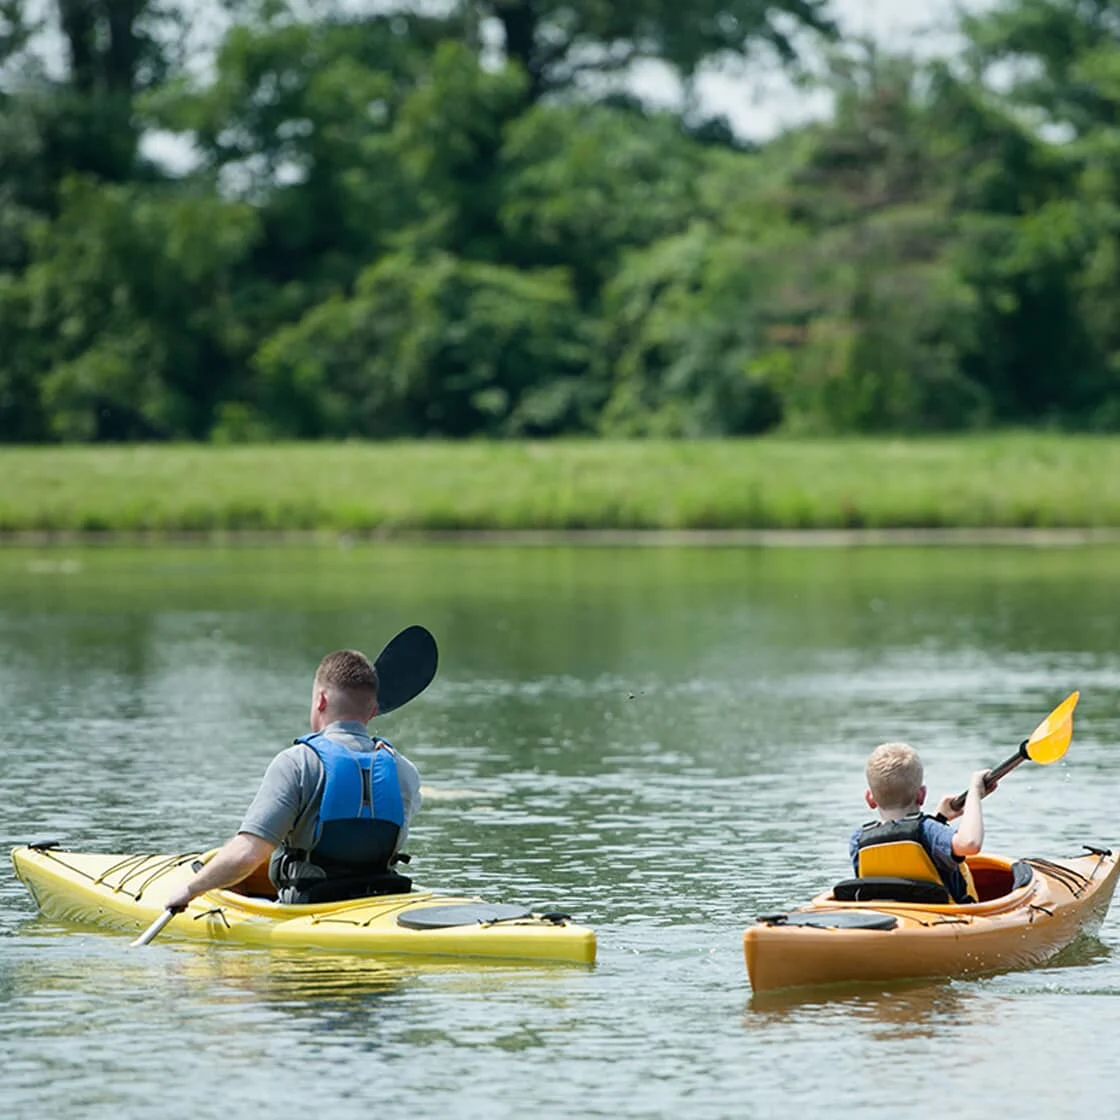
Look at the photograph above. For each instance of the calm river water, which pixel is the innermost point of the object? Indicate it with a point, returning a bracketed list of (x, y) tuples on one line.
[(663, 742)]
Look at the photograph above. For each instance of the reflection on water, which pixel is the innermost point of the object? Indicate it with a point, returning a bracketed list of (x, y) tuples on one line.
[(664, 743), (1086, 950), (317, 980), (909, 1009)]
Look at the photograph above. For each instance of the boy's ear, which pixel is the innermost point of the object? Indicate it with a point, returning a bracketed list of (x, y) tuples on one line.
[(869, 799), (920, 799)]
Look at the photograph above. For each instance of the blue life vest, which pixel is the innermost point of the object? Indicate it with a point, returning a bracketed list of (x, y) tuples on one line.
[(361, 812)]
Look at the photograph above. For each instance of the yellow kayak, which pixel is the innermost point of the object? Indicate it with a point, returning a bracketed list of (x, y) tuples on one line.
[(127, 892), (1029, 910)]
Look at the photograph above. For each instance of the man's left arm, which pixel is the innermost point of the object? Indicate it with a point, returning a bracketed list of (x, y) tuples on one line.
[(409, 778)]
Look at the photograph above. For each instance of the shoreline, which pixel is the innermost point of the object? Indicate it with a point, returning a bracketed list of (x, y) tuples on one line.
[(580, 538), (1032, 489)]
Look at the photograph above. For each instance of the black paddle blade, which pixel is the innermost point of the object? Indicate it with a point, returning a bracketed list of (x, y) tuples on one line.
[(405, 667)]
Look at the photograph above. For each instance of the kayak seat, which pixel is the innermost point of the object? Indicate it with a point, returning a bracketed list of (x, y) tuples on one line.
[(257, 884), (344, 889), (883, 888)]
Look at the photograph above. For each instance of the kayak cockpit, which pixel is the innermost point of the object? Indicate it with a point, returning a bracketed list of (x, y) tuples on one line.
[(994, 877), (256, 884)]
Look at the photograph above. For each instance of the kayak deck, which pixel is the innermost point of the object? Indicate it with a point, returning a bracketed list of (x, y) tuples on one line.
[(127, 892), (1030, 910)]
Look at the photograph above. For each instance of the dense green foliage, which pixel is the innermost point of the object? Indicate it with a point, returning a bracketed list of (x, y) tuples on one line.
[(408, 225)]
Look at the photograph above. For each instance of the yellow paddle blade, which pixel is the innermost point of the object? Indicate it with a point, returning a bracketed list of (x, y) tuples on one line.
[(1050, 739)]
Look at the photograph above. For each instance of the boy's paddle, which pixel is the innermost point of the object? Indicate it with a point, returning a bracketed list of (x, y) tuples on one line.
[(405, 667), (1048, 742)]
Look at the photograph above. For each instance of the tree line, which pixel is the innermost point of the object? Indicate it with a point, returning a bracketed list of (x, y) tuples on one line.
[(454, 221)]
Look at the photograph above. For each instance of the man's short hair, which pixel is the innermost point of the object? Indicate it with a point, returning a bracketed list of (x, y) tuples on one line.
[(350, 673), (894, 775)]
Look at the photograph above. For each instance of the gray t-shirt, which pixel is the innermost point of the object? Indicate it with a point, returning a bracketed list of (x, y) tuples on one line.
[(287, 803)]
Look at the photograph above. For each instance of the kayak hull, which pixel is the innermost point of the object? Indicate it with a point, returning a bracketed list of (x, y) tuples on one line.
[(1050, 904), (127, 893)]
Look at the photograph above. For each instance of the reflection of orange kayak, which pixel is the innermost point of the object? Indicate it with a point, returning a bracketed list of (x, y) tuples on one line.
[(1029, 910), (127, 893)]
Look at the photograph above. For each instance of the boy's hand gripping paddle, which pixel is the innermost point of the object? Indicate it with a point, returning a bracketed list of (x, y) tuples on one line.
[(1048, 742)]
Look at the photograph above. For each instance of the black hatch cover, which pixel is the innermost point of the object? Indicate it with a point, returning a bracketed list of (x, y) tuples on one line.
[(839, 919), (468, 914)]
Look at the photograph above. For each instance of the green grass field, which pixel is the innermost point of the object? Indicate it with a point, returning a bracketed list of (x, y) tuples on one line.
[(1018, 480)]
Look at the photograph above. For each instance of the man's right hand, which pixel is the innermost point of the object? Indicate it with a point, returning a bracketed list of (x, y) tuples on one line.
[(179, 900)]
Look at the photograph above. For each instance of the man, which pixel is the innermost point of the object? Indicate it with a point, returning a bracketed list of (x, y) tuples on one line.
[(332, 810)]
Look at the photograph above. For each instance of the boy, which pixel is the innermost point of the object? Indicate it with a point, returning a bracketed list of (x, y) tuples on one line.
[(911, 844)]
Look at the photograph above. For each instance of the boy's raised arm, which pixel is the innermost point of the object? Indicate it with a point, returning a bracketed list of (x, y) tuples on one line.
[(969, 837)]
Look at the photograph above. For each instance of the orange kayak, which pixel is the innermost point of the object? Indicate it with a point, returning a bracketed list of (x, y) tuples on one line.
[(1029, 910)]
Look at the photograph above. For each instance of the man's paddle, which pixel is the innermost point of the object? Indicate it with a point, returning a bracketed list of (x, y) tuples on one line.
[(153, 929), (1048, 742), (405, 667)]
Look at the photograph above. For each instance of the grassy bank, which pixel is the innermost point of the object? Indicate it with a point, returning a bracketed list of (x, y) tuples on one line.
[(1005, 481)]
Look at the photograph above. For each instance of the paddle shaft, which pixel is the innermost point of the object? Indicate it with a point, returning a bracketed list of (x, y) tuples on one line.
[(994, 776), (1048, 742), (153, 930)]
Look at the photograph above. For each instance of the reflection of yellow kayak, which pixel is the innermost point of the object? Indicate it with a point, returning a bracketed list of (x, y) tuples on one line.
[(128, 892), (1029, 910)]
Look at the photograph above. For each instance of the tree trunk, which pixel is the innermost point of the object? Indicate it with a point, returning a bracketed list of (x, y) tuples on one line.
[(123, 48), (521, 23), (78, 21), (101, 44)]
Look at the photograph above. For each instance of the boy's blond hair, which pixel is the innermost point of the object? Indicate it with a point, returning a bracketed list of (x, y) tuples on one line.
[(894, 775)]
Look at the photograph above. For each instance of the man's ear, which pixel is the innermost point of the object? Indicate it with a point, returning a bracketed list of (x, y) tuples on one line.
[(321, 700), (869, 799)]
